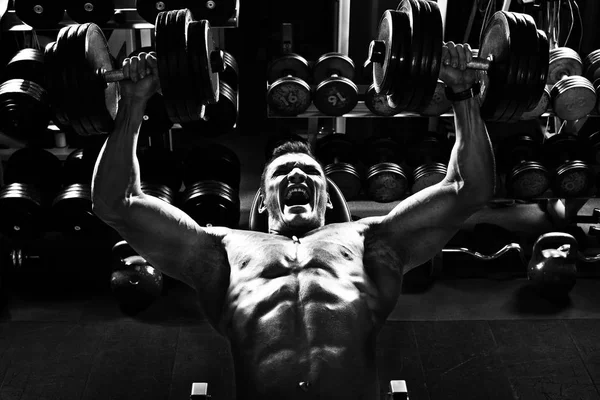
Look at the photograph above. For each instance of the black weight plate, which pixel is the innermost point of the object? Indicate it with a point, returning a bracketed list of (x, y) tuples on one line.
[(96, 11), (59, 115), (217, 12), (495, 43), (202, 53), (188, 76), (162, 45), (392, 32), (532, 41), (177, 67), (527, 68), (97, 57), (62, 65), (40, 14), (432, 72), (513, 93), (424, 60), (149, 9), (82, 91), (404, 85)]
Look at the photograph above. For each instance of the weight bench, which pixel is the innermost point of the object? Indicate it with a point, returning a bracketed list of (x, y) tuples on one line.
[(397, 391)]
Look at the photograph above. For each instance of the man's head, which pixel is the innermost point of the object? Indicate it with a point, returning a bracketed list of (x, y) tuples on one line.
[(293, 190)]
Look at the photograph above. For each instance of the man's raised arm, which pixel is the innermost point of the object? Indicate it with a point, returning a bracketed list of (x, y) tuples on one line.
[(161, 233), (421, 225)]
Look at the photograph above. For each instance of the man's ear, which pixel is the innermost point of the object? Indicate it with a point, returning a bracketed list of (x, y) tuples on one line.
[(329, 203), (261, 203)]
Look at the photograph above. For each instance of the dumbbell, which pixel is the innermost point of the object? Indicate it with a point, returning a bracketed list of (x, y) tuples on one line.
[(32, 176), (539, 108), (83, 77), (573, 96), (428, 158), (407, 57), (288, 93), (377, 103), (26, 64), (526, 176), (385, 179), (71, 209), (565, 156), (134, 283), (591, 70), (95, 11), (217, 12), (439, 103), (149, 9), (591, 142), (23, 95), (40, 14), (335, 94), (211, 174), (221, 117), (338, 155)]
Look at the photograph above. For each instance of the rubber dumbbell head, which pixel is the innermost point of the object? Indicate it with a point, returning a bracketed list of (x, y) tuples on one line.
[(339, 158), (336, 94), (288, 93), (573, 96), (385, 179)]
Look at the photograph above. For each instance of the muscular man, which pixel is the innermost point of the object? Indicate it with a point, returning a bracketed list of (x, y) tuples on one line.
[(301, 305)]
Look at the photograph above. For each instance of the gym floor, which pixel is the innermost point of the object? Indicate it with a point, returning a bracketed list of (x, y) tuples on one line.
[(459, 339)]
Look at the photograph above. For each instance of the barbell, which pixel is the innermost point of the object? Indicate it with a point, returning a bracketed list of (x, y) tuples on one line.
[(81, 76)]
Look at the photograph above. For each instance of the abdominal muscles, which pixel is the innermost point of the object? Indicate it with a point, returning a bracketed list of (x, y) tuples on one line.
[(305, 327)]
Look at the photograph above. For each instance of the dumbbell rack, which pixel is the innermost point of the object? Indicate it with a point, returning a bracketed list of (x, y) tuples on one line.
[(124, 18)]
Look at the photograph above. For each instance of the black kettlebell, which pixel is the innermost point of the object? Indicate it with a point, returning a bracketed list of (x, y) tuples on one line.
[(553, 265), (134, 282)]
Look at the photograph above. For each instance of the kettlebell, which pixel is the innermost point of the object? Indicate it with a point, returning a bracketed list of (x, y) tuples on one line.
[(134, 282), (553, 265)]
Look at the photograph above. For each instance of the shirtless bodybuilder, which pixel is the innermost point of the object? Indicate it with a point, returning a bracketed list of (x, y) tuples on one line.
[(303, 303)]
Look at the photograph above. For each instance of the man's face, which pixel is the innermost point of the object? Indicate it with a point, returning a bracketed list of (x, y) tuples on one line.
[(295, 193)]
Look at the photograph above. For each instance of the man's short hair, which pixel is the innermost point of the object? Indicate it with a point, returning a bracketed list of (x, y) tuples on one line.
[(286, 147)]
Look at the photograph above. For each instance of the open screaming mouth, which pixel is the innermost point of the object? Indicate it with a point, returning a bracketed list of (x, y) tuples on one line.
[(296, 197)]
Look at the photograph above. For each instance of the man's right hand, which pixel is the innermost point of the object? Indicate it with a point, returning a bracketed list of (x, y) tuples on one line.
[(141, 77)]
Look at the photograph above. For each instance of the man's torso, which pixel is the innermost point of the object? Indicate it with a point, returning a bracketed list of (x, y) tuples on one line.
[(305, 310)]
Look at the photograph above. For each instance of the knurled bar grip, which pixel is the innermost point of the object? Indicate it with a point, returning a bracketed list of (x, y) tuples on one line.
[(115, 75)]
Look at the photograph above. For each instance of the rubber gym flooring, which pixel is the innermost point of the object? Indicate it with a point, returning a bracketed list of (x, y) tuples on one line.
[(460, 339)]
